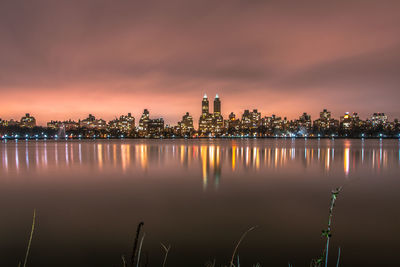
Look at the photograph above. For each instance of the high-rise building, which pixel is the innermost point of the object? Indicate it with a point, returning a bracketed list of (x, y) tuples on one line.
[(100, 124), (205, 106), (54, 125), (346, 121), (211, 123), (144, 123), (273, 125), (186, 125), (205, 121), (150, 127), (232, 125), (351, 124), (251, 120), (246, 120), (156, 127), (92, 123), (28, 121), (70, 125), (349, 121), (304, 124), (378, 119), (255, 118), (217, 105), (325, 125), (325, 115), (88, 122), (218, 120), (125, 124)]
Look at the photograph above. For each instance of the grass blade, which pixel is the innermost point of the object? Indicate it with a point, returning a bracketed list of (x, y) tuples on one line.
[(140, 249), (30, 238), (135, 243), (328, 231), (166, 252), (123, 261), (237, 245), (338, 259)]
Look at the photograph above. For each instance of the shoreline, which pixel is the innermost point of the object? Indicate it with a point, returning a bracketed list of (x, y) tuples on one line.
[(194, 138)]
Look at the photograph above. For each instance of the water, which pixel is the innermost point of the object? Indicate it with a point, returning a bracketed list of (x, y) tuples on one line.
[(199, 196)]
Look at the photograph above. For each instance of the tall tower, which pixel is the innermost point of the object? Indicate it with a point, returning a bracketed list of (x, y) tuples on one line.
[(217, 105), (204, 105)]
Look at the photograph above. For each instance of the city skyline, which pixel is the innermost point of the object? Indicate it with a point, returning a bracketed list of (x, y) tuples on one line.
[(211, 123), (210, 109), (170, 118), (284, 57)]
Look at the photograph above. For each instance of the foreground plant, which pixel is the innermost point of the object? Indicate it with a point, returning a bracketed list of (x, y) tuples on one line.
[(135, 257), (237, 246), (327, 233), (166, 249), (30, 240)]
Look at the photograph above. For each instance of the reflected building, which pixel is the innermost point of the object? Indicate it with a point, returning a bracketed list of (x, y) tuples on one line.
[(208, 160)]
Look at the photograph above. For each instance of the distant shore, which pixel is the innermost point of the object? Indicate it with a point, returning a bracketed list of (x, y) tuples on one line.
[(10, 138)]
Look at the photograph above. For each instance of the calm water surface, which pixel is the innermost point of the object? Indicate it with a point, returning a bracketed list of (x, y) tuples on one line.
[(199, 196)]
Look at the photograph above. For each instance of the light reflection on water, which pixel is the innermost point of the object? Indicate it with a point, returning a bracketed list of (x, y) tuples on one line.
[(211, 158), (195, 191)]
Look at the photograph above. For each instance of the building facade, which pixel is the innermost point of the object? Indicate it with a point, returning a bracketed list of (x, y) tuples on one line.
[(28, 121)]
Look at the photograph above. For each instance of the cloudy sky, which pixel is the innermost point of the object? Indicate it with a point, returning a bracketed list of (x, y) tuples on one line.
[(65, 59)]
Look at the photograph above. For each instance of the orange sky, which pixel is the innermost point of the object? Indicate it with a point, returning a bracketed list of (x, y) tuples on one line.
[(67, 59)]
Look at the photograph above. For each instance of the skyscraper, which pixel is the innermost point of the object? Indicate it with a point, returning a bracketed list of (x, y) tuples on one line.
[(205, 117), (205, 105), (218, 121), (217, 105), (210, 123)]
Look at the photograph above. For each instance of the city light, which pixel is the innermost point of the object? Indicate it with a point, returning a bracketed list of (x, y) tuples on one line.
[(251, 123)]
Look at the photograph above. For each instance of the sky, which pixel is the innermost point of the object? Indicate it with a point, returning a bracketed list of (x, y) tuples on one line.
[(66, 59)]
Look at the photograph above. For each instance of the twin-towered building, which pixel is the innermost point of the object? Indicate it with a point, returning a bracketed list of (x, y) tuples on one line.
[(251, 123), (211, 122)]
